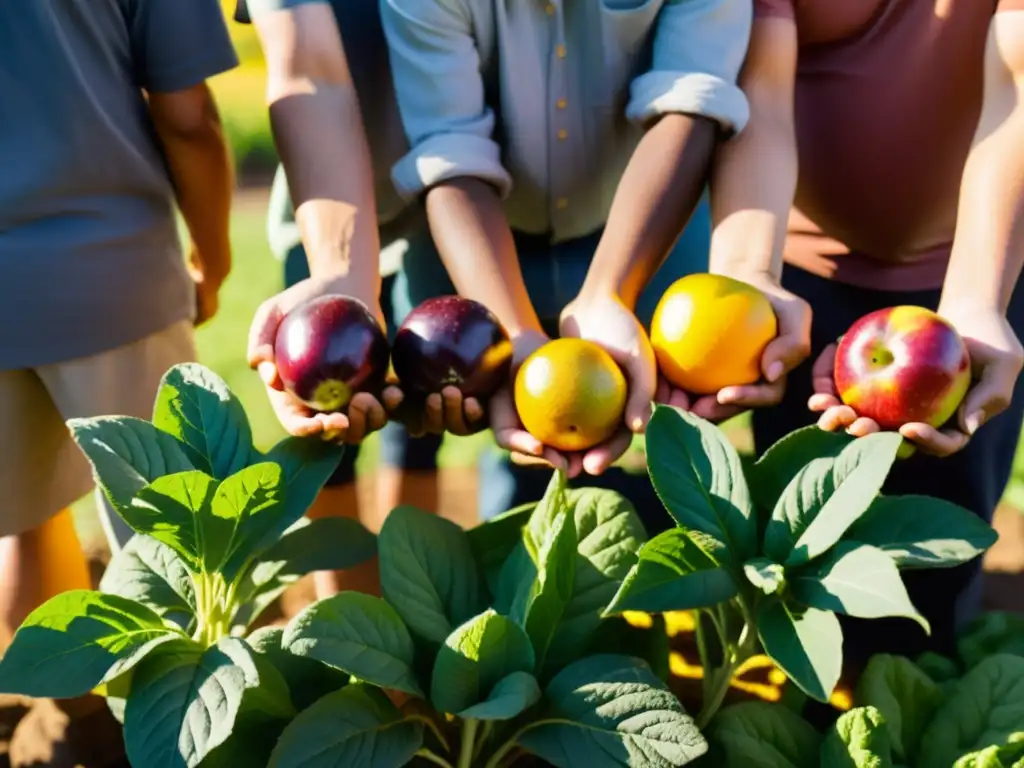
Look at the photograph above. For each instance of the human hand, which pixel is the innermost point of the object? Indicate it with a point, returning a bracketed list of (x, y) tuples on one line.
[(207, 287), (364, 413), (996, 359), (436, 413), (789, 348), (508, 428), (606, 321)]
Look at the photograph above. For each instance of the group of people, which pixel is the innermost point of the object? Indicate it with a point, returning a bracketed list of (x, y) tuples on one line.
[(560, 161)]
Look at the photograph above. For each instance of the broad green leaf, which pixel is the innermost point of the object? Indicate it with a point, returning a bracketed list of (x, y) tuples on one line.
[(611, 712), (991, 633), (493, 540), (986, 709), (306, 465), (552, 505), (356, 727), (699, 478), (75, 641), (905, 696), (676, 571), (307, 679), (608, 534), (1005, 756), (858, 580), (827, 496), (939, 668), (196, 406), (185, 701), (765, 575), (323, 544), (427, 572), (151, 573), (754, 733), (544, 587), (858, 739), (172, 509), (782, 461), (127, 454), (510, 697), (247, 509), (475, 658), (359, 634), (923, 532), (805, 643)]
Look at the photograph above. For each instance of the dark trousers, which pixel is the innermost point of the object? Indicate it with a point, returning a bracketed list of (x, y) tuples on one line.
[(974, 478)]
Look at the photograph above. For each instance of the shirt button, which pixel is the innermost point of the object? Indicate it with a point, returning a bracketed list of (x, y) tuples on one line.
[(549, 9), (560, 103), (561, 203), (560, 51), (563, 134)]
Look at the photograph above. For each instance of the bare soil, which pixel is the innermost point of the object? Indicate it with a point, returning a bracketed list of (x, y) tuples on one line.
[(42, 733)]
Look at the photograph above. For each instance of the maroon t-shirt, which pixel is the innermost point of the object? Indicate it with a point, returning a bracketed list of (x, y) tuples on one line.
[(888, 96)]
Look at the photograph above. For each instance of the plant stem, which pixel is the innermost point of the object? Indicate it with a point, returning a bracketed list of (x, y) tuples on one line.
[(426, 754), (482, 740), (468, 742), (502, 752), (735, 655)]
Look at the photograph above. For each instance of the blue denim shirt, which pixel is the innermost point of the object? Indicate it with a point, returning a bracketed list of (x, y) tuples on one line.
[(546, 99)]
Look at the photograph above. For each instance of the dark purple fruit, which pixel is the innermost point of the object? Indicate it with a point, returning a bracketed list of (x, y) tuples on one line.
[(328, 349), (452, 341)]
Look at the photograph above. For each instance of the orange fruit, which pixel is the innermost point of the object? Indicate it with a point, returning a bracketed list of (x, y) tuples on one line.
[(570, 394), (710, 331)]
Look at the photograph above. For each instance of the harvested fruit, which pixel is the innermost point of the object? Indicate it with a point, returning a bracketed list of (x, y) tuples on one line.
[(710, 331), (328, 349), (452, 341), (570, 394), (901, 365)]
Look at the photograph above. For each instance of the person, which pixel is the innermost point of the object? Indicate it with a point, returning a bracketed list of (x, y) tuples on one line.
[(332, 208), (560, 152), (115, 125), (895, 130)]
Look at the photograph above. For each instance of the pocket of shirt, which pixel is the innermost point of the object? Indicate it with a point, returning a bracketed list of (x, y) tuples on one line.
[(626, 36)]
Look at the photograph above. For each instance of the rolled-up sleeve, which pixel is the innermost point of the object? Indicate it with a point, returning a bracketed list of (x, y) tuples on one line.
[(699, 48), (440, 92)]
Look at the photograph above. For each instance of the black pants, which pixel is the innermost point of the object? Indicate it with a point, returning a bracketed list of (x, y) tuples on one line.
[(975, 478)]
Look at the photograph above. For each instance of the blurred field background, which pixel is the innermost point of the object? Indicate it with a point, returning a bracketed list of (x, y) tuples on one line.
[(256, 275)]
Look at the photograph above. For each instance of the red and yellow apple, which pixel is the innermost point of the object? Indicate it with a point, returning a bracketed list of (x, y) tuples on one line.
[(901, 365)]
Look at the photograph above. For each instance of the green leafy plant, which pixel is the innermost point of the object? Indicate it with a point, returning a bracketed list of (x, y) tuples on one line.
[(903, 717), (768, 555), (219, 534), (496, 635)]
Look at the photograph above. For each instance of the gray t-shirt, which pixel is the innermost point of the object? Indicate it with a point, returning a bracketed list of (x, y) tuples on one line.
[(90, 257), (367, 55)]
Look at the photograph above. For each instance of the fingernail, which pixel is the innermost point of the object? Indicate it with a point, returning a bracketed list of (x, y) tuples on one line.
[(974, 421), (266, 371), (775, 370), (726, 396), (637, 424)]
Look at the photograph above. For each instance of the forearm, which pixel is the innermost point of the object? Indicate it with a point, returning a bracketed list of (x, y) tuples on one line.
[(472, 234), (656, 196), (200, 165), (988, 250), (319, 135), (752, 188)]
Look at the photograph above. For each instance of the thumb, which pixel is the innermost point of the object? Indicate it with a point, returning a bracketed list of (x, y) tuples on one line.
[(792, 345), (262, 335), (642, 374), (988, 398), (823, 372)]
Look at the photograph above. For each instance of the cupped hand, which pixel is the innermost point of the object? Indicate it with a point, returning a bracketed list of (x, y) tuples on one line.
[(790, 347), (506, 424), (605, 320), (207, 288), (437, 413), (365, 413), (996, 361)]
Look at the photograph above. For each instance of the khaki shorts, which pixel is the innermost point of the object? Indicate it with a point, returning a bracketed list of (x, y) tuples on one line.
[(41, 469)]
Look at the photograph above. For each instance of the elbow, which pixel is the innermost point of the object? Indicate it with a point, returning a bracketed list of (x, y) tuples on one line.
[(185, 115)]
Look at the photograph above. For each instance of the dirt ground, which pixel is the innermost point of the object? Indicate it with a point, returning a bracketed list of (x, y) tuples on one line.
[(42, 734)]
